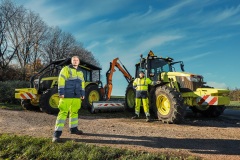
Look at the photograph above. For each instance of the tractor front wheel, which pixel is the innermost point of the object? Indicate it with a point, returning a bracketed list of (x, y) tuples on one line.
[(49, 101), (92, 93), (168, 105), (26, 104), (130, 99)]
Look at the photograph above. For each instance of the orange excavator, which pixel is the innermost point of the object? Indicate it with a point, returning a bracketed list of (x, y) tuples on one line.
[(106, 91), (109, 75)]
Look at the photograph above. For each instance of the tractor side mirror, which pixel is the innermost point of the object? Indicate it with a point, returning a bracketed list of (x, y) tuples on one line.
[(182, 66)]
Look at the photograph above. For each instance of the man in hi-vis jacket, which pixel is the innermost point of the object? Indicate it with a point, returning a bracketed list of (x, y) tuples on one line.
[(141, 85), (71, 91)]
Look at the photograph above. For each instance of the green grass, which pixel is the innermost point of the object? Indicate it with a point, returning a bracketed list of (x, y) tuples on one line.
[(26, 147), (234, 105), (11, 106)]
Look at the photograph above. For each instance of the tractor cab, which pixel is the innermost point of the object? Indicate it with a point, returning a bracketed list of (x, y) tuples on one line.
[(153, 66), (47, 77)]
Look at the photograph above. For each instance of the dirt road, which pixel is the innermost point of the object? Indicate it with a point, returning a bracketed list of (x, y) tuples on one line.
[(208, 138)]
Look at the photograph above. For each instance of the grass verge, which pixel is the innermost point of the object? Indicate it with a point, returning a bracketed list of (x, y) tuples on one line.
[(11, 106), (234, 105), (26, 147)]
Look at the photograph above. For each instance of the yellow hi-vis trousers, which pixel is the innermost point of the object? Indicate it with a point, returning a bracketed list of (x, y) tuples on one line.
[(71, 105), (145, 106)]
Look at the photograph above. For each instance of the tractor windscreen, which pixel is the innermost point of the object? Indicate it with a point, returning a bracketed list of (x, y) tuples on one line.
[(87, 75), (159, 65)]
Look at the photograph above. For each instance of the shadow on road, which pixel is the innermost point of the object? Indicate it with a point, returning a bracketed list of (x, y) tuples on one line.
[(222, 121), (204, 146)]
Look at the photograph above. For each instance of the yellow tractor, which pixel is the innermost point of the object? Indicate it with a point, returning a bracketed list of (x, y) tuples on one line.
[(177, 90), (43, 91)]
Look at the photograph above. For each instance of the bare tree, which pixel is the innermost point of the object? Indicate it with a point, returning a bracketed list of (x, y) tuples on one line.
[(26, 31), (61, 45), (58, 45), (7, 12), (5, 15), (37, 35), (85, 55), (26, 38)]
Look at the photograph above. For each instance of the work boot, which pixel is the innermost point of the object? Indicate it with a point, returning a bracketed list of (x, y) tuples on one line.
[(75, 131), (135, 116), (55, 139), (56, 136), (148, 119)]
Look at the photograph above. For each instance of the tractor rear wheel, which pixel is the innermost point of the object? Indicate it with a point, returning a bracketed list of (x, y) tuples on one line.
[(168, 105), (130, 99), (209, 111), (92, 93), (49, 101), (26, 104)]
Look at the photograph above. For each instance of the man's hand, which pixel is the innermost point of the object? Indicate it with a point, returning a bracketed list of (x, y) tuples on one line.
[(61, 96), (82, 97), (158, 82)]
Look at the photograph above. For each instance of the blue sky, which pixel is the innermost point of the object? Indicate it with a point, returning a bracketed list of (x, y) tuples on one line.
[(204, 34)]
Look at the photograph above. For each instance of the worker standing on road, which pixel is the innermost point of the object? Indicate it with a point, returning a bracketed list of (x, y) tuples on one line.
[(141, 85), (71, 92)]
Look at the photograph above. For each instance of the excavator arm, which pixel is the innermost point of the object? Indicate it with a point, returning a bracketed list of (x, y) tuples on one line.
[(109, 75)]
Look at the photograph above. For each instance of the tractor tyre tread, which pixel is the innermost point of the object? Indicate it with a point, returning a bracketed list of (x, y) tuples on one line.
[(177, 107)]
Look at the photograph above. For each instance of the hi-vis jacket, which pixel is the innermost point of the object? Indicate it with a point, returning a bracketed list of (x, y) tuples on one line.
[(71, 82), (141, 85)]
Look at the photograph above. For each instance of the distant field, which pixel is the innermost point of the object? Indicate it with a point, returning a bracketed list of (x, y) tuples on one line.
[(234, 105), (10, 106)]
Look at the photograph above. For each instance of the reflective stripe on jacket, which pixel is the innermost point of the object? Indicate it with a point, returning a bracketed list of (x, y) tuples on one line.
[(141, 84), (71, 82)]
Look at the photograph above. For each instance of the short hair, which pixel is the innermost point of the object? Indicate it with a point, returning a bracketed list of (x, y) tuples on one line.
[(75, 57), (142, 72)]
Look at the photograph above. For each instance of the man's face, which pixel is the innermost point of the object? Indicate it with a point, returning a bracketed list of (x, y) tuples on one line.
[(141, 75), (75, 61)]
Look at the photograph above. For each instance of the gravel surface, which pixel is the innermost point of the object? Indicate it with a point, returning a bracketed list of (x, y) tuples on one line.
[(207, 138)]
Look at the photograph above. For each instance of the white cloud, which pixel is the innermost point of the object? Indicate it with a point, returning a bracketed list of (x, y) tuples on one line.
[(227, 13), (194, 57), (47, 12), (144, 23), (156, 41), (92, 45), (65, 13), (217, 85), (171, 11), (217, 16)]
